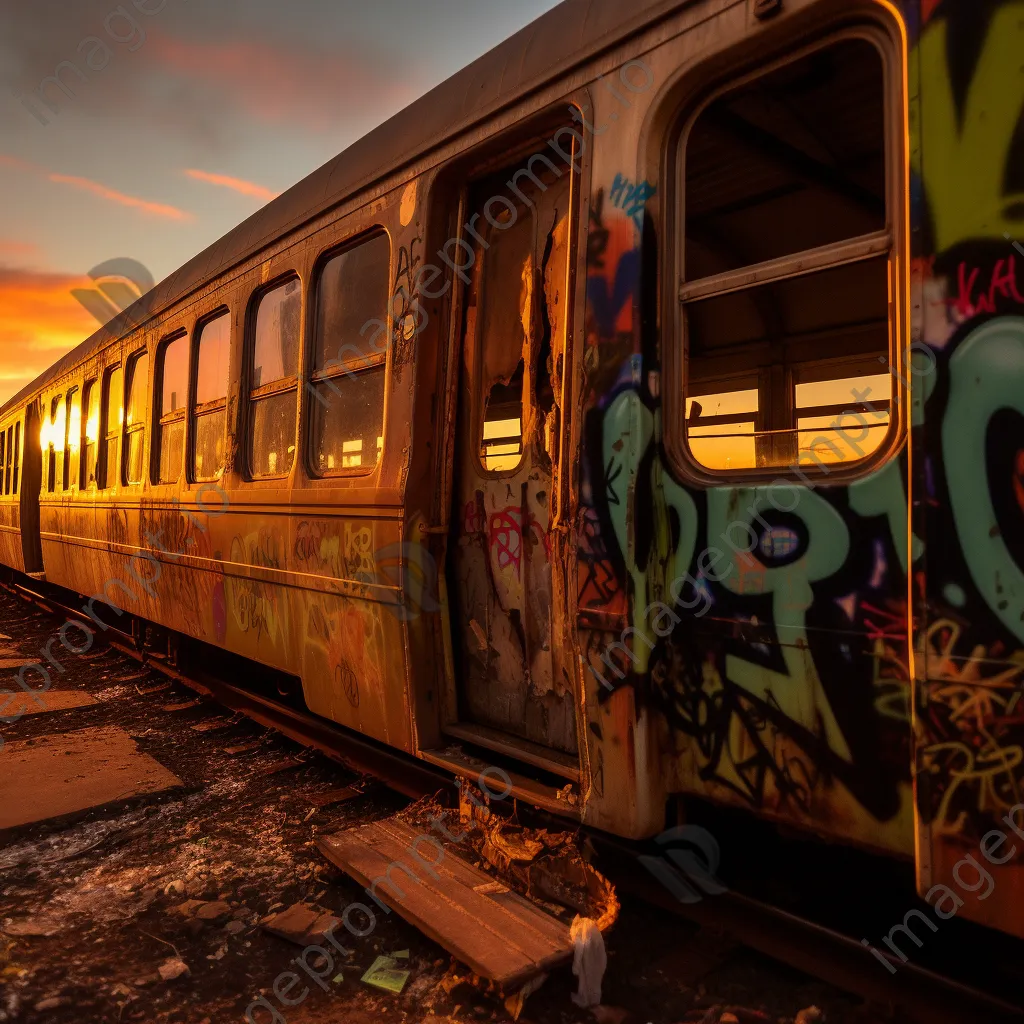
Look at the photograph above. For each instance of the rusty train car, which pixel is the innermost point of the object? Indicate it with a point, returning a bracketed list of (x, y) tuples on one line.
[(642, 407)]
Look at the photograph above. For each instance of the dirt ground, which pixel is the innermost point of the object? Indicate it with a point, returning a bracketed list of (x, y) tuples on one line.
[(150, 910)]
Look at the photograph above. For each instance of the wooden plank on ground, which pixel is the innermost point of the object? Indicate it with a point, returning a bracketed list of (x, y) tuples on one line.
[(490, 928), (69, 772)]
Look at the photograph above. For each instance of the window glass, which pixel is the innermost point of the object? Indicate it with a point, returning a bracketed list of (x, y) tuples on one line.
[(12, 459), (174, 376), (349, 360), (351, 440), (90, 433), (17, 453), (793, 161), (210, 412), (54, 443), (3, 458), (135, 420), (170, 424), (276, 349), (275, 359), (113, 419), (212, 373), (721, 428), (172, 449), (845, 418), (137, 392), (73, 439), (209, 442), (352, 302), (273, 450)]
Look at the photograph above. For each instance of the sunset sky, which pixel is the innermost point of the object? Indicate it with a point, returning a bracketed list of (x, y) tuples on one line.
[(198, 115)]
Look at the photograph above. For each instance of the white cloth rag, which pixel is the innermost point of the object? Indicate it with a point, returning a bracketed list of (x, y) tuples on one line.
[(589, 961)]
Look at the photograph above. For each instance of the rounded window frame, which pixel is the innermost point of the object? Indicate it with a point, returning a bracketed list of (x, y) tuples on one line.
[(887, 35)]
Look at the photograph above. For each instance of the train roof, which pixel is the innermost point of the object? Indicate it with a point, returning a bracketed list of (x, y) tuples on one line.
[(551, 46)]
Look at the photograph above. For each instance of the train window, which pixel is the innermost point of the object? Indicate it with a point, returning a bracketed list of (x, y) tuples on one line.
[(209, 414), (169, 432), (12, 460), (90, 433), (349, 359), (54, 431), (17, 453), (274, 380), (504, 291), (787, 266), (113, 418), (3, 458), (72, 438), (135, 418)]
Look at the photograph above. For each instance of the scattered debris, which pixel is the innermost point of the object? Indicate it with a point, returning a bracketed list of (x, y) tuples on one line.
[(384, 974), (242, 748), (302, 923), (183, 706), (145, 691), (213, 911), (609, 1014), (726, 1014), (173, 968), (34, 927), (514, 1003), (213, 725), (337, 796)]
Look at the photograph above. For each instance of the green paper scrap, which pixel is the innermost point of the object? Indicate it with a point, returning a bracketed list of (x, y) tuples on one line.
[(338, 979), (402, 954), (383, 975)]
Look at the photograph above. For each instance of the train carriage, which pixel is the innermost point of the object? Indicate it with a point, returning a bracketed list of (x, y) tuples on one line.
[(642, 407)]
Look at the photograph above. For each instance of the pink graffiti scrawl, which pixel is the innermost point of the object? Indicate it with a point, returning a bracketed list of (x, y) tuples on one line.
[(505, 537)]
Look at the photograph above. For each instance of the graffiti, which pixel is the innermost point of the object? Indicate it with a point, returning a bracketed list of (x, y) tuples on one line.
[(613, 281), (631, 198), (599, 588), (792, 694), (253, 603), (359, 553), (1002, 285), (969, 120), (312, 545), (407, 314), (347, 682)]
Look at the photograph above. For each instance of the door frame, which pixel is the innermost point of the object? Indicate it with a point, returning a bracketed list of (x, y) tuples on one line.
[(510, 148)]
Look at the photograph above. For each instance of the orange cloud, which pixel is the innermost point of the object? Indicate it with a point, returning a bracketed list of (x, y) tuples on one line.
[(41, 321), (13, 161), (12, 245), (279, 84), (246, 188), (157, 209)]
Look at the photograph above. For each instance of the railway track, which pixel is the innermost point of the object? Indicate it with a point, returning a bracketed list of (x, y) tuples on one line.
[(914, 994)]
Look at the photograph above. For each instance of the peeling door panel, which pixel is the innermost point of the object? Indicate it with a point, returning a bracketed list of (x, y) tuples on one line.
[(511, 676)]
